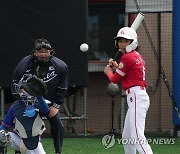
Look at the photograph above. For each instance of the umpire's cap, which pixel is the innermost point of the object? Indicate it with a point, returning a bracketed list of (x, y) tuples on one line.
[(35, 87)]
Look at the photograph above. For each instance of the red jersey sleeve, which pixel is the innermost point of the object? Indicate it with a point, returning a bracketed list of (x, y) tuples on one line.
[(114, 78)]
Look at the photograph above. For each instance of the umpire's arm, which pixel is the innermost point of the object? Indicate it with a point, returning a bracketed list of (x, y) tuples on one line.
[(62, 88)]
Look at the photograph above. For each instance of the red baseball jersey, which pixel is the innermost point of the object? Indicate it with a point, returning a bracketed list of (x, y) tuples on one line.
[(131, 71)]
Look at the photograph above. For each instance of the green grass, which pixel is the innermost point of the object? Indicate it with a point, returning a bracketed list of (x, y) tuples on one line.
[(94, 146)]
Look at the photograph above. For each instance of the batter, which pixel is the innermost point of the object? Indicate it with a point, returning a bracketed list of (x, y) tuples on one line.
[(131, 71)]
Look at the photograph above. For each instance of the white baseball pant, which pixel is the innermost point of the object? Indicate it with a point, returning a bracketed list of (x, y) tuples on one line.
[(134, 126), (16, 143)]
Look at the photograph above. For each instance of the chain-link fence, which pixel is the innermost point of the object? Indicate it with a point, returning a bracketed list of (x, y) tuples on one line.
[(90, 110)]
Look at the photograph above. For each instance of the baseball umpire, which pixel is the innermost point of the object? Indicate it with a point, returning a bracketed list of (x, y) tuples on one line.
[(25, 118), (54, 72)]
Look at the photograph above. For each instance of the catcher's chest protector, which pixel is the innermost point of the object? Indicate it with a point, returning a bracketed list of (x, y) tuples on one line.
[(27, 127)]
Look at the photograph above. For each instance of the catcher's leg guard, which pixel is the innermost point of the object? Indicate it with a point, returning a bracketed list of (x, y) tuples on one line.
[(3, 150), (4, 139)]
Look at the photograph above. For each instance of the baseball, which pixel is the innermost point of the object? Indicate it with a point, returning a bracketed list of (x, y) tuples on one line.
[(84, 47)]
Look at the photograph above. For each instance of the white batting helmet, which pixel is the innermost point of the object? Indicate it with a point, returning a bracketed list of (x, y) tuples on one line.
[(130, 34)]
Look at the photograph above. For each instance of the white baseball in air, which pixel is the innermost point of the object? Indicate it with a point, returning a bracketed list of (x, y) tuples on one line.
[(84, 47)]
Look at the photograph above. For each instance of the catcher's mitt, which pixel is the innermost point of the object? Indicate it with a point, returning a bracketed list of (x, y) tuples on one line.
[(35, 87)]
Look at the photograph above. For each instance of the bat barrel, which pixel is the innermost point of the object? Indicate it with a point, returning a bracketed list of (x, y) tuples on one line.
[(135, 25)]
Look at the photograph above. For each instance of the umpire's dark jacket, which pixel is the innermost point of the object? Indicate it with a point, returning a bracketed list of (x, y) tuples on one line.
[(56, 78)]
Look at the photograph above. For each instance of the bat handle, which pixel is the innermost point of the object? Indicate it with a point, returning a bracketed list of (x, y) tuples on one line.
[(116, 56)]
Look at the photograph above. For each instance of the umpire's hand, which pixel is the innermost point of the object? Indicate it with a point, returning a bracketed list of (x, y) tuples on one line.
[(53, 111)]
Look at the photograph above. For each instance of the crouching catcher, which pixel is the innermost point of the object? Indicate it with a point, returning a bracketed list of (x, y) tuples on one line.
[(24, 117)]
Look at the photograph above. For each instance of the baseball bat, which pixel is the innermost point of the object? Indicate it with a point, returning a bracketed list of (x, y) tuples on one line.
[(118, 55), (136, 23)]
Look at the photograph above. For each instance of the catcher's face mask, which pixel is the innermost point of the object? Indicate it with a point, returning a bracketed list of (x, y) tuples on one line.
[(26, 98), (29, 102)]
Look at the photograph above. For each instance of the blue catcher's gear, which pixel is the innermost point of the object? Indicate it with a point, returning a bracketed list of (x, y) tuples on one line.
[(26, 98), (30, 111), (29, 88)]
